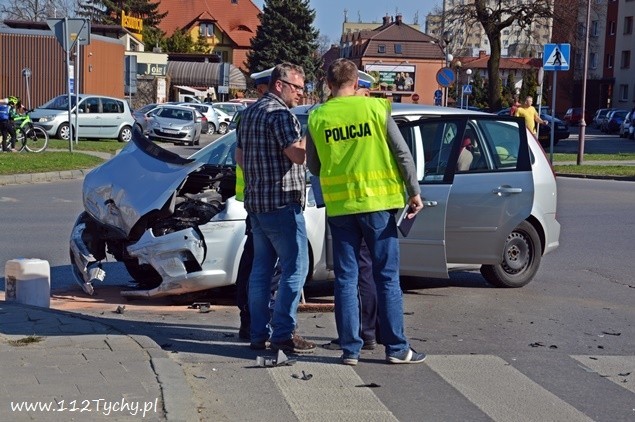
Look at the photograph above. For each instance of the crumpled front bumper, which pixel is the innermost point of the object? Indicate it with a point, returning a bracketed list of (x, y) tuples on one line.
[(180, 258)]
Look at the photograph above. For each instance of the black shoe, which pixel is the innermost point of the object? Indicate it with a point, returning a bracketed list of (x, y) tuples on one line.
[(335, 345), (258, 345), (296, 344), (243, 333), (369, 344)]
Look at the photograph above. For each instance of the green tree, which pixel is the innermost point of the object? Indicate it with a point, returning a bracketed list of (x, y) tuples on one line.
[(201, 45), (285, 34), (179, 42), (530, 85), (494, 17)]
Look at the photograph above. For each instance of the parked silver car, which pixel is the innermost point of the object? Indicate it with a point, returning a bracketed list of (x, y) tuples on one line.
[(98, 117), (181, 125), (214, 121), (489, 192)]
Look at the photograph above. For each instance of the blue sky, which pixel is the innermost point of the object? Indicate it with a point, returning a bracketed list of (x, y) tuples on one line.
[(330, 13)]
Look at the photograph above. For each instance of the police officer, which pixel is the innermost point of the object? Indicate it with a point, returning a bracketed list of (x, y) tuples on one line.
[(363, 163)]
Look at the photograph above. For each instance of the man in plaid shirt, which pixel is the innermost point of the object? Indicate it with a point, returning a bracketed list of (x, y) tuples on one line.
[(272, 152)]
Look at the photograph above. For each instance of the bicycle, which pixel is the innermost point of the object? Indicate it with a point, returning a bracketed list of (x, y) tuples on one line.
[(32, 138)]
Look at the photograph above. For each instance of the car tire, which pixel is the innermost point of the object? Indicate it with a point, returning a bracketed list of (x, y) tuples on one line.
[(64, 132), (144, 275), (125, 134), (520, 261), (222, 128), (211, 129)]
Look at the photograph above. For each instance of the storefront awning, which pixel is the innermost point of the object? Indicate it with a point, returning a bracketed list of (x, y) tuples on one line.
[(204, 74)]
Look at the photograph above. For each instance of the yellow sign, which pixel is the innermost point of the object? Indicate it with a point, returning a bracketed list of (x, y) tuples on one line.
[(129, 22)]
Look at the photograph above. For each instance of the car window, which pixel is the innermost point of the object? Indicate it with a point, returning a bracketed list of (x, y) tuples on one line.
[(60, 103), (111, 105), (464, 145), (90, 105), (220, 152)]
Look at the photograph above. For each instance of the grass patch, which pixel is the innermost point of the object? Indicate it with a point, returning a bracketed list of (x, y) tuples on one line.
[(26, 341), (594, 157), (595, 170), (23, 163), (86, 145)]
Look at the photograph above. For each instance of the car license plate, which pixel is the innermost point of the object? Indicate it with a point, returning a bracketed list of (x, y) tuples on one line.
[(171, 131)]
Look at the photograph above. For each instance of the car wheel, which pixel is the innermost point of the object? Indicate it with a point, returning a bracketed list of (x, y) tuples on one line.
[(144, 275), (521, 258), (64, 132), (125, 135), (222, 128), (211, 129)]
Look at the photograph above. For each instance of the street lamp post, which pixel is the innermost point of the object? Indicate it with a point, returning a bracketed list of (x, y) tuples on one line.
[(580, 157), (467, 96), (458, 65), (447, 39)]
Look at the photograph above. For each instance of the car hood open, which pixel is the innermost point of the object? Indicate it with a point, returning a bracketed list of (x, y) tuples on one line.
[(141, 179)]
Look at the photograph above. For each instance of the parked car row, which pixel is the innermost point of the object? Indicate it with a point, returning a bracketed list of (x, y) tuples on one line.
[(176, 225)]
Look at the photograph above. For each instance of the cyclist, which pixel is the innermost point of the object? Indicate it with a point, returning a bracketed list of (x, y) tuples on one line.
[(6, 123)]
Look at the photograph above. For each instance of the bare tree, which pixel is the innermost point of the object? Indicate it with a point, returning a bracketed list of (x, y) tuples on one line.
[(36, 10), (494, 16)]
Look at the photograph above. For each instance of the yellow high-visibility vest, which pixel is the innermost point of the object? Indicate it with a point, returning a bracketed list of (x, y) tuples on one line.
[(358, 171)]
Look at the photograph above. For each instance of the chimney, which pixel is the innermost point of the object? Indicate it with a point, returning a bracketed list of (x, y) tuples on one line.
[(398, 19), (386, 20)]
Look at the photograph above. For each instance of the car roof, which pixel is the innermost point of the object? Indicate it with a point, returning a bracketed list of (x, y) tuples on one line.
[(405, 109)]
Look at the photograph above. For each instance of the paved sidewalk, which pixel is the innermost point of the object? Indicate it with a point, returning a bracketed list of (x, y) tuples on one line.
[(84, 370)]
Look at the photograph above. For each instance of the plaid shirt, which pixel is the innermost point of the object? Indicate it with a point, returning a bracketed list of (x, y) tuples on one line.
[(272, 181)]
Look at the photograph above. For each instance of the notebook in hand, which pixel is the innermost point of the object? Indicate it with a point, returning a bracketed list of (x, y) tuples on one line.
[(404, 224)]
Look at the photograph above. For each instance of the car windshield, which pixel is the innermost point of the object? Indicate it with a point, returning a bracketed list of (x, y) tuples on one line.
[(222, 151), (60, 103)]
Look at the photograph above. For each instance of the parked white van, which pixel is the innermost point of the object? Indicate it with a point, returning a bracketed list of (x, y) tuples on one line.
[(98, 117)]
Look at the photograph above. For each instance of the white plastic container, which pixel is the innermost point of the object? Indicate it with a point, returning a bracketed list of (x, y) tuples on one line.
[(28, 281)]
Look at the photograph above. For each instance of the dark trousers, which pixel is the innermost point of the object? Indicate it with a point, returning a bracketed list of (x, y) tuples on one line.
[(6, 127), (367, 295), (242, 278)]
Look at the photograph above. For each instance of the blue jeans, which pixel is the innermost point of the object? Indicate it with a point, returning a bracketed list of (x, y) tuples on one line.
[(279, 234), (379, 230)]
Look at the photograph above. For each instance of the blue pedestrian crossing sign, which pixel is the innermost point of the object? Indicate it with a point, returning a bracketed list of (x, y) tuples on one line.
[(467, 89), (556, 57), (438, 94)]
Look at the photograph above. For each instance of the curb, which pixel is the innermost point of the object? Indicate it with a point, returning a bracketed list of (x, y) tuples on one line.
[(597, 177)]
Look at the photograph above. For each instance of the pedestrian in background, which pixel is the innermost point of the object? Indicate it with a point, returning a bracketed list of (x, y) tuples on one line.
[(271, 151), (530, 114), (363, 161), (515, 105)]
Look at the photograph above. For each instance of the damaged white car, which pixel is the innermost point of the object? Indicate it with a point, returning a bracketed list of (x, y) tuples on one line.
[(489, 193)]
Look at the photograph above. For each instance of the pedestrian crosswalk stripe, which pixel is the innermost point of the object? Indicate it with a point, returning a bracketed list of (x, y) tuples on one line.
[(332, 393), (619, 369), (501, 391)]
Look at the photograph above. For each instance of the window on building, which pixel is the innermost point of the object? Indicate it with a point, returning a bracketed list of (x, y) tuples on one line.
[(381, 48), (612, 28), (398, 49), (206, 30), (593, 61), (624, 92), (579, 60), (626, 59), (628, 25), (595, 28), (609, 61), (580, 29)]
